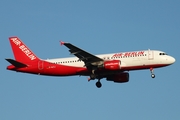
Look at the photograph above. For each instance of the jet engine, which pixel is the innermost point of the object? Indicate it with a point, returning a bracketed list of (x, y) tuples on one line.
[(112, 65), (119, 78)]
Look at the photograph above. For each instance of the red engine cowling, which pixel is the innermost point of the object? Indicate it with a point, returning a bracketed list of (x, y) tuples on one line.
[(112, 65), (119, 78)]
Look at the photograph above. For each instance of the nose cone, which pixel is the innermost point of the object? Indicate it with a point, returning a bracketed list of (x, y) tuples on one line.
[(172, 60)]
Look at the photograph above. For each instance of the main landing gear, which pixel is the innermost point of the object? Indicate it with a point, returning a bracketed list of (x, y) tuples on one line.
[(152, 73), (93, 77), (98, 84)]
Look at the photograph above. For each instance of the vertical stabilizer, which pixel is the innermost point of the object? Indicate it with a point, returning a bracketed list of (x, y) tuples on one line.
[(21, 52)]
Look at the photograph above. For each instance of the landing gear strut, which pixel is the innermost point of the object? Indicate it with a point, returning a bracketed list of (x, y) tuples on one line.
[(98, 84), (152, 73), (93, 76)]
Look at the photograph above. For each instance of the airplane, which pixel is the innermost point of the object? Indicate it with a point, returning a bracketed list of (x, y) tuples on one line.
[(114, 67)]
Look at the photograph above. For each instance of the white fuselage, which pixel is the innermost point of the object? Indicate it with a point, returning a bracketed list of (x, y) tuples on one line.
[(128, 59)]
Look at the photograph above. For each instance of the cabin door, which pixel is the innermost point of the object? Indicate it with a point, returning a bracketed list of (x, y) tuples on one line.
[(40, 65), (150, 55)]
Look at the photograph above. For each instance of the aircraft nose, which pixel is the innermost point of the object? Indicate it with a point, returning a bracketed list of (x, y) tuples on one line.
[(172, 60)]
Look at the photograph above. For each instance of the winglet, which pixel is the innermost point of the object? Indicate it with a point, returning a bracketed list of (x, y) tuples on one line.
[(62, 43)]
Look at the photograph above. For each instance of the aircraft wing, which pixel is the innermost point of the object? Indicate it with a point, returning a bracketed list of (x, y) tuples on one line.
[(86, 57)]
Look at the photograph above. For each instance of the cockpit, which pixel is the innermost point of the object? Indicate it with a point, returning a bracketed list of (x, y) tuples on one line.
[(163, 54)]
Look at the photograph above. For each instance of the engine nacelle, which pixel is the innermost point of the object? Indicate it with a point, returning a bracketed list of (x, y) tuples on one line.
[(112, 65), (119, 78)]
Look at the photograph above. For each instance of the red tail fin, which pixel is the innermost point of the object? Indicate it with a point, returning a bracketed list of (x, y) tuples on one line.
[(21, 52)]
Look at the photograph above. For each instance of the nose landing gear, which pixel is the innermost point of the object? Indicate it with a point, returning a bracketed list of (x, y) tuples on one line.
[(152, 73)]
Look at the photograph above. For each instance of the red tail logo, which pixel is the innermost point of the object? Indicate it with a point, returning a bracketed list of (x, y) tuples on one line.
[(21, 52)]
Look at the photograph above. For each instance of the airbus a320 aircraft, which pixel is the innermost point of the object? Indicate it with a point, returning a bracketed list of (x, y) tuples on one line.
[(114, 67)]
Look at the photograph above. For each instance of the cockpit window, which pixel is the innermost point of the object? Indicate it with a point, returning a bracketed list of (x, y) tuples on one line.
[(162, 54)]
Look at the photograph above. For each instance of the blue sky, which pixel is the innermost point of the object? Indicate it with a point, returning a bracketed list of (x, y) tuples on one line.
[(102, 26)]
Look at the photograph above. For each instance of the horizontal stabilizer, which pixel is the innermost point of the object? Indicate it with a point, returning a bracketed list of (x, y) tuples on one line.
[(16, 63)]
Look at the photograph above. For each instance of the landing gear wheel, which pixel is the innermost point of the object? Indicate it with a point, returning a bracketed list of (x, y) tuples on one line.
[(153, 75), (98, 84)]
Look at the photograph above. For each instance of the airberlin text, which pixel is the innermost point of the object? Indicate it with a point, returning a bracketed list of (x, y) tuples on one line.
[(23, 48), (128, 54)]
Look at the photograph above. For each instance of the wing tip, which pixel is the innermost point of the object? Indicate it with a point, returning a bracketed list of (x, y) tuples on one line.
[(62, 43)]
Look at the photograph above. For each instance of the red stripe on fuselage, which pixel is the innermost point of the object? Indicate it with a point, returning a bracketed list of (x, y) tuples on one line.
[(52, 69)]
